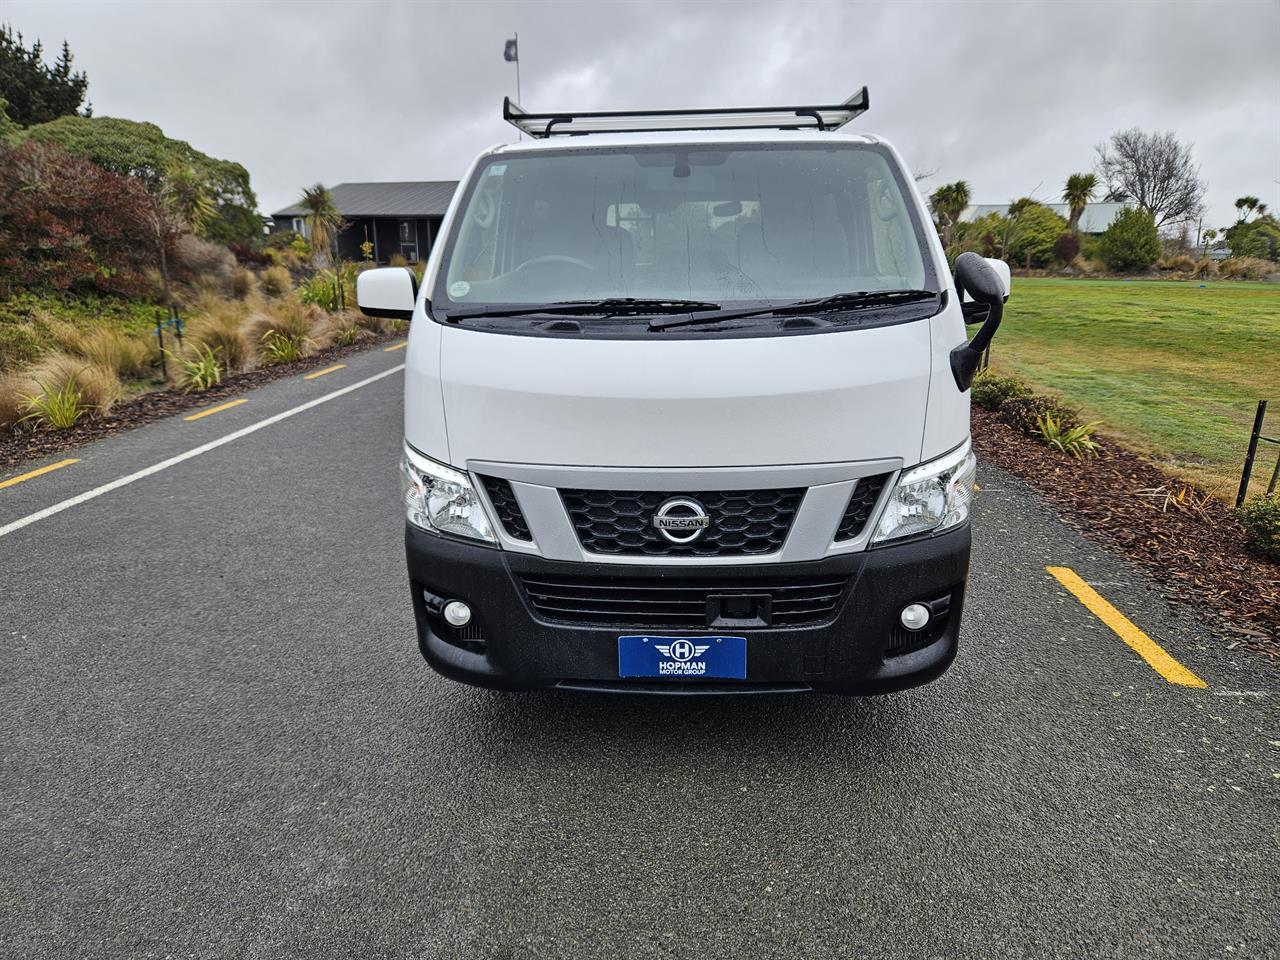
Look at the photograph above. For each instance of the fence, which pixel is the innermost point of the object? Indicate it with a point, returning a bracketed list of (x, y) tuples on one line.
[(1256, 437)]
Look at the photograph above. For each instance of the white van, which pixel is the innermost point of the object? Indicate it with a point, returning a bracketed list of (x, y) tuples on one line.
[(687, 411)]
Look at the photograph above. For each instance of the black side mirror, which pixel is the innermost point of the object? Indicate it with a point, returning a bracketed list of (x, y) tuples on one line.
[(976, 276)]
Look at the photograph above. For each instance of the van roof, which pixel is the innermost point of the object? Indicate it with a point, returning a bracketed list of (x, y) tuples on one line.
[(674, 137)]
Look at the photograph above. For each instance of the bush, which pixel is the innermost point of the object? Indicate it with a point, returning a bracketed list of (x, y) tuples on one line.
[(114, 350), (19, 345), (1179, 262), (56, 409), (71, 225), (1066, 248), (342, 329), (13, 400), (991, 389), (1033, 231), (276, 282), (1026, 412), (220, 327), (1077, 441), (397, 261), (1260, 517), (249, 256), (1245, 268), (283, 330), (1131, 242), (199, 368), (241, 283), (59, 374), (201, 260), (280, 347)]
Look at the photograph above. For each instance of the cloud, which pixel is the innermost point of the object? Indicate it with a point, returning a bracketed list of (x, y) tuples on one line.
[(1009, 96)]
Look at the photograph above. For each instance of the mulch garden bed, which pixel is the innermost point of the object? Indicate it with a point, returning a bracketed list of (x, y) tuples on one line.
[(1196, 554), (39, 444)]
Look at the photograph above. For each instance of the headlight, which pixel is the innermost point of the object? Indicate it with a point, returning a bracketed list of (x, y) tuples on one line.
[(930, 498), (441, 499)]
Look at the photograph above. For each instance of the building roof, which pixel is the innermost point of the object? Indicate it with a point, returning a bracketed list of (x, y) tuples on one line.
[(408, 199), (1096, 217)]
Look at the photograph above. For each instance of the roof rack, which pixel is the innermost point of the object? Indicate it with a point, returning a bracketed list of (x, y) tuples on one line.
[(814, 117)]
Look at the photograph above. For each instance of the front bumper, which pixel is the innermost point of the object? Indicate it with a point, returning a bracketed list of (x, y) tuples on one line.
[(861, 649)]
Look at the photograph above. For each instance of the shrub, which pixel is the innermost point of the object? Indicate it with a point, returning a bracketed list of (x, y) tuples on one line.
[(1025, 413), (1066, 248), (220, 327), (19, 344), (991, 389), (397, 261), (1033, 231), (1260, 517), (249, 256), (280, 347), (1180, 262), (1077, 441), (1131, 242), (200, 260), (1245, 268), (71, 225), (13, 400), (115, 350), (1206, 269), (342, 329), (241, 283), (58, 408), (199, 368), (99, 388), (276, 282)]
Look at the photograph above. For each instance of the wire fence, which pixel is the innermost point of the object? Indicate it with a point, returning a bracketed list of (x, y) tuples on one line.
[(1256, 437)]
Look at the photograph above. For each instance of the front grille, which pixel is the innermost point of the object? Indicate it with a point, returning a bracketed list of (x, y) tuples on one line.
[(507, 508), (682, 604), (861, 503), (743, 522)]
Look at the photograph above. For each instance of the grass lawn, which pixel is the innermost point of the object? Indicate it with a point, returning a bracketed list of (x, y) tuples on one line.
[(1172, 369)]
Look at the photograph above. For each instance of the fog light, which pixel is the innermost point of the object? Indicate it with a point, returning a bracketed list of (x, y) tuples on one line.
[(915, 616), (458, 614)]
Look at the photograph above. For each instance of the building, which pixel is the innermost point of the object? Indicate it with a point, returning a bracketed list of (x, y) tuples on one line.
[(1095, 219), (397, 218)]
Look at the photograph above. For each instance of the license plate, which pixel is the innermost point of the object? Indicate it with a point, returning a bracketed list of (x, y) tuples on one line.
[(671, 658)]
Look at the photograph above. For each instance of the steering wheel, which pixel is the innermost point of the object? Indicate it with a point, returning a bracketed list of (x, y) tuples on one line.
[(556, 258)]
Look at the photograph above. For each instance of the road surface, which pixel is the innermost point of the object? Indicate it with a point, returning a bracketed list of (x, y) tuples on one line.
[(219, 740)]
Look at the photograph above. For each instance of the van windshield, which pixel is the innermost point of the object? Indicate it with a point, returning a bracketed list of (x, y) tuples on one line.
[(725, 224)]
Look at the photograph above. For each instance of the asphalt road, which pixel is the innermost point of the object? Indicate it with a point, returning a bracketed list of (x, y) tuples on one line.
[(217, 739)]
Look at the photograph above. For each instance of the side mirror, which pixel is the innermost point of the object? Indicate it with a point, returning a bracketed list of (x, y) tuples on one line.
[(387, 292), (987, 288)]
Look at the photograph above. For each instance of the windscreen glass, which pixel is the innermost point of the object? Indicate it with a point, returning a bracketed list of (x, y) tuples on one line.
[(708, 223)]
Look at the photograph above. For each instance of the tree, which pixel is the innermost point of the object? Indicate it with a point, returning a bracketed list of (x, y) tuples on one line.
[(324, 220), (69, 224), (1032, 230), (948, 203), (1246, 206), (36, 92), (1077, 193), (142, 151), (1131, 242), (1259, 237), (1154, 171)]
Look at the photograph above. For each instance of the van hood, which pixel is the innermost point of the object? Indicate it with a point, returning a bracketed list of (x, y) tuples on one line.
[(859, 394)]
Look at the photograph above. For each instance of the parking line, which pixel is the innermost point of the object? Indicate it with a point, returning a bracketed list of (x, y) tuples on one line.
[(88, 495), (396, 346), (321, 373), (38, 472), (218, 409), (1124, 628)]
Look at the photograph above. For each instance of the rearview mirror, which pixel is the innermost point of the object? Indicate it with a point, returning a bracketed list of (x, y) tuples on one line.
[(387, 292), (985, 283)]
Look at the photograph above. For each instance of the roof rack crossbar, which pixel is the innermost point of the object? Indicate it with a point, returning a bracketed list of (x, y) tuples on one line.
[(804, 117)]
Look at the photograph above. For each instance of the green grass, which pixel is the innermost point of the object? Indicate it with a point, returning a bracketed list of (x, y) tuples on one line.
[(1172, 369)]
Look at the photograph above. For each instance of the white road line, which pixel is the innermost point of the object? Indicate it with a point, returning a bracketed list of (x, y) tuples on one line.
[(194, 452)]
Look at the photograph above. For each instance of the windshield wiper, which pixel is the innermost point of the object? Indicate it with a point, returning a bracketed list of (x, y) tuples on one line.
[(841, 301), (609, 307)]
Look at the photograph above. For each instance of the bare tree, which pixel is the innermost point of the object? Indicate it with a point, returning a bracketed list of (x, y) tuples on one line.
[(1154, 171)]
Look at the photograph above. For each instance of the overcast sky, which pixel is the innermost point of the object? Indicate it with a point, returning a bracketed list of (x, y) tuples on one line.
[(1009, 96)]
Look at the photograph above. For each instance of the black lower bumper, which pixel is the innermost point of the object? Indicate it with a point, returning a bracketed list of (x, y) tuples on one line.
[(861, 648)]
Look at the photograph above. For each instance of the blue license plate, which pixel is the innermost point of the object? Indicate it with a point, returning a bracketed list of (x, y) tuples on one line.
[(672, 658)]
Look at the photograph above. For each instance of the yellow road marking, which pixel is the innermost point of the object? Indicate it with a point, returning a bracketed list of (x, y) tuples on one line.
[(38, 472), (396, 346), (218, 409), (1124, 628), (321, 373)]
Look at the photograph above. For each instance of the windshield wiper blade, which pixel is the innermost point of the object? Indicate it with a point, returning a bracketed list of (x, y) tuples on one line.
[(610, 306), (839, 301)]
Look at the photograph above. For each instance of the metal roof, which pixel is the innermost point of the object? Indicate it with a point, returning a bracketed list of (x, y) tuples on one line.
[(408, 199), (1095, 219)]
